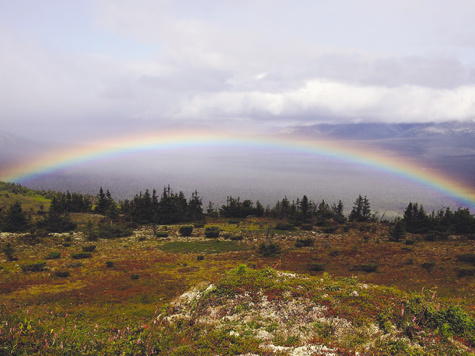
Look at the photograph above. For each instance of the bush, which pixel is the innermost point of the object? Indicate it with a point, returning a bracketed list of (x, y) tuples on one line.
[(284, 226), (269, 249), (236, 238), (212, 232), (465, 272), (109, 264), (366, 267), (199, 224), (89, 248), (161, 234), (34, 267), (306, 227), (53, 255), (107, 231), (429, 266), (317, 267), (329, 229), (304, 242), (62, 274), (466, 257), (81, 255), (200, 258), (9, 251), (134, 276), (186, 230)]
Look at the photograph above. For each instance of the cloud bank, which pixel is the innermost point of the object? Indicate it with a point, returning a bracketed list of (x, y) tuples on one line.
[(93, 68)]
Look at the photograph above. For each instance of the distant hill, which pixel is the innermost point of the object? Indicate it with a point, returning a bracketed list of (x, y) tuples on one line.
[(376, 131)]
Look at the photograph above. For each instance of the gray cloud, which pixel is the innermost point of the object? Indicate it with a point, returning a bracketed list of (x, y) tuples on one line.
[(258, 64)]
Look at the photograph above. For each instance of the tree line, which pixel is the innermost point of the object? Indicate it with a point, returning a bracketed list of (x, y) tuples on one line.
[(170, 208)]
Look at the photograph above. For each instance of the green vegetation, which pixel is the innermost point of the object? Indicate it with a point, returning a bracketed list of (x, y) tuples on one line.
[(202, 247), (324, 286), (186, 230)]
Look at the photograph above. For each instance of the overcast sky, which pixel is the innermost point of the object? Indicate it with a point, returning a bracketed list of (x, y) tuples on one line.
[(92, 68)]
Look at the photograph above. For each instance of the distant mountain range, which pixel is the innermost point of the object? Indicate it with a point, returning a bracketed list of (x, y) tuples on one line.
[(448, 146), (375, 131)]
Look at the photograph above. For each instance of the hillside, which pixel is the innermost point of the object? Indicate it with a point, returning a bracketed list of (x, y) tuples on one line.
[(330, 292)]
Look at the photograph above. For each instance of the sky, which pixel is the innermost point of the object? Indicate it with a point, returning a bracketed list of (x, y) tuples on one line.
[(85, 69)]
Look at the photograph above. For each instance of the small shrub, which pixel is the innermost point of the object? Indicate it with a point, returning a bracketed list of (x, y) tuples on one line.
[(186, 230), (236, 238), (329, 229), (306, 227), (67, 244), (34, 267), (366, 267), (366, 238), (269, 249), (466, 257), (429, 266), (109, 264), (81, 255), (346, 228), (53, 255), (212, 231), (317, 267), (409, 242), (465, 272), (334, 253), (89, 248), (134, 276), (234, 221), (62, 274), (304, 242), (161, 234), (199, 224), (9, 251), (200, 258), (284, 226)]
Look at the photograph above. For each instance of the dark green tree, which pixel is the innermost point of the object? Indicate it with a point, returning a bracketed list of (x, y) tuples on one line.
[(398, 231), (15, 219)]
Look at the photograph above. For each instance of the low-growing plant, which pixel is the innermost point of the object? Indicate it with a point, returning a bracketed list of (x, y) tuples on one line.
[(109, 264), (53, 255), (236, 238), (33, 267), (185, 230), (306, 227), (366, 267), (212, 231), (329, 229), (284, 226), (465, 271), (199, 224), (307, 242), (200, 258), (161, 234), (62, 274), (81, 255), (269, 249), (89, 248), (429, 265), (466, 257), (9, 251), (134, 276), (67, 244), (317, 267)]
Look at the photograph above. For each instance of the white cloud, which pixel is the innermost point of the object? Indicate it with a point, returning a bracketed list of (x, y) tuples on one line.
[(267, 62)]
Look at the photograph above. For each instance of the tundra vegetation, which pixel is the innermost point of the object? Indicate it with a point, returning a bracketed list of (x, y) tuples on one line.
[(88, 275)]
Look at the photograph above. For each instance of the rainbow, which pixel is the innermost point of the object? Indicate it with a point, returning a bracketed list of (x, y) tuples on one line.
[(363, 155)]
